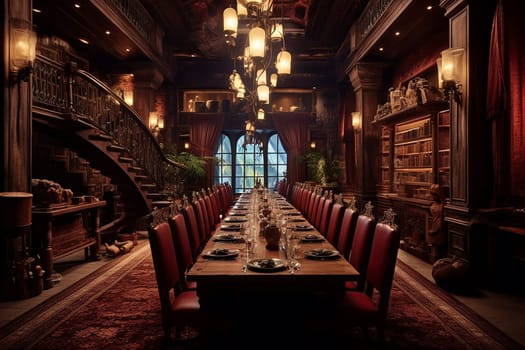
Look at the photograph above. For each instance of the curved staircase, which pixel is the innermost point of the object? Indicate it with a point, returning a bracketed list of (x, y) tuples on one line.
[(87, 118)]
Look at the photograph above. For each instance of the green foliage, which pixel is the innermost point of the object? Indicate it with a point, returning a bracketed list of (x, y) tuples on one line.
[(192, 177), (320, 170)]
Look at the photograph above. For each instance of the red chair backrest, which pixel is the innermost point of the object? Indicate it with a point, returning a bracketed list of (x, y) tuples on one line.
[(380, 272), (214, 199), (192, 226), (361, 243), (383, 256), (181, 242), (346, 230), (167, 270), (202, 220), (312, 206), (325, 216), (209, 211), (319, 212)]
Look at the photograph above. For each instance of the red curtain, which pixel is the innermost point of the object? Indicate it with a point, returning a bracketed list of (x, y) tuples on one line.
[(505, 105), (205, 131), (293, 132)]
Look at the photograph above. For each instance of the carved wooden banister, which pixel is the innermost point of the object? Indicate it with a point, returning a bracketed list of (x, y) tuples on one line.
[(67, 90)]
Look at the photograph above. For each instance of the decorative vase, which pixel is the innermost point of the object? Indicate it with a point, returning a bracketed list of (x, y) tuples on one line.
[(272, 234)]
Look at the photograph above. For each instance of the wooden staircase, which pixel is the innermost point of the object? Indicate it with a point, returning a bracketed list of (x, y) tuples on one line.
[(108, 137)]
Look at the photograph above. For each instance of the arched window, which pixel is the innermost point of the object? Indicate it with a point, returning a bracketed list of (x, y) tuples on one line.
[(246, 164), (249, 166), (224, 167), (277, 161)]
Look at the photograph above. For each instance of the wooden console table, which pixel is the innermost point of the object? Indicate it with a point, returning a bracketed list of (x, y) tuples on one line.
[(58, 232)]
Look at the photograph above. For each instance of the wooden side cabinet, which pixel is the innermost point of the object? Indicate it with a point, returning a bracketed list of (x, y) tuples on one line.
[(59, 232)]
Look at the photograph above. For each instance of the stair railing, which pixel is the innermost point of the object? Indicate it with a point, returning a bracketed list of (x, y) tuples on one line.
[(76, 93)]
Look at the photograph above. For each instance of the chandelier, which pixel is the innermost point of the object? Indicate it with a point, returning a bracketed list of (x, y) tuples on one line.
[(262, 56)]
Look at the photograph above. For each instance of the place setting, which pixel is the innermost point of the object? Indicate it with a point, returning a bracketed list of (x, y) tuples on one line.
[(321, 254), (312, 238), (235, 219), (303, 227), (227, 237), (266, 265), (221, 253), (230, 227)]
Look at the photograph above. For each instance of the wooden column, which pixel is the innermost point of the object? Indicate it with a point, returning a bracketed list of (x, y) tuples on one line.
[(469, 28), (16, 126), (366, 80)]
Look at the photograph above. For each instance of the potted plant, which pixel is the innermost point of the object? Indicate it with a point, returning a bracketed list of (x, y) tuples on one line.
[(192, 177), (320, 170)]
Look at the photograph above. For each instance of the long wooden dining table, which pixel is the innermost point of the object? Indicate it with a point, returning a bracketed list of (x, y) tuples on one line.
[(233, 279)]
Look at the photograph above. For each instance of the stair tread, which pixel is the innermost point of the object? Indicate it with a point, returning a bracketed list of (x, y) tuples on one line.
[(100, 137), (125, 159), (114, 147), (135, 169)]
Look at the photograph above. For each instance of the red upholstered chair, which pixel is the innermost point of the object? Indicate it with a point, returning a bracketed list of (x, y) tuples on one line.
[(346, 231), (182, 247), (312, 206), (202, 220), (192, 226), (360, 252), (209, 210), (318, 213), (179, 307), (304, 201), (369, 308), (334, 222), (325, 216), (214, 199)]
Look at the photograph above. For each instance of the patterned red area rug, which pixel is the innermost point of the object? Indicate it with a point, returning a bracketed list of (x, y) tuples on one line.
[(118, 308)]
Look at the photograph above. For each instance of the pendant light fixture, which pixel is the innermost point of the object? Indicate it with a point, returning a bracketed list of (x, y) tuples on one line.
[(259, 55)]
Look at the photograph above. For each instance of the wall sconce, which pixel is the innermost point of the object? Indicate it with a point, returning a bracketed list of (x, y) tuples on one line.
[(312, 145), (186, 145), (153, 120), (450, 72), (356, 121), (22, 50)]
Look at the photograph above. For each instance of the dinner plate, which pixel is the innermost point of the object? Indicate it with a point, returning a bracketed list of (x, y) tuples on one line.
[(236, 214), (227, 237), (235, 219), (231, 227), (312, 238), (303, 228), (221, 253), (266, 265), (321, 254), (297, 220)]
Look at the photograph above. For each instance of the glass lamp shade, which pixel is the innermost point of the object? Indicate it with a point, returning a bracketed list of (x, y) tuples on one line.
[(283, 62), (242, 11), (356, 120), (452, 64), (273, 80), (249, 128), (440, 79), (277, 32), (257, 40), (263, 93), (23, 48), (261, 77), (260, 114), (230, 21)]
